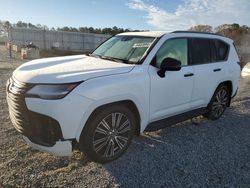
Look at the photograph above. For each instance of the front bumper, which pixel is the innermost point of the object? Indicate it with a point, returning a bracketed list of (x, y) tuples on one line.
[(47, 125), (61, 148), (39, 128)]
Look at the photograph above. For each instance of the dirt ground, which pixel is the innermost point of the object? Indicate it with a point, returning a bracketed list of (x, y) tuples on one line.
[(195, 153)]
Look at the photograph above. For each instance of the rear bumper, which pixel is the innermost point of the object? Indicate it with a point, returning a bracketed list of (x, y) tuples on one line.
[(61, 148)]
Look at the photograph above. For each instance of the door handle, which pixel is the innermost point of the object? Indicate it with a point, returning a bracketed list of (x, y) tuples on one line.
[(188, 74), (217, 70)]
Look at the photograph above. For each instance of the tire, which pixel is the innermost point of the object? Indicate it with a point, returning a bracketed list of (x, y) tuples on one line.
[(218, 103), (108, 133)]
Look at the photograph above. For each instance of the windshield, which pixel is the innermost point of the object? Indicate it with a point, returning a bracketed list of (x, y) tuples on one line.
[(127, 49)]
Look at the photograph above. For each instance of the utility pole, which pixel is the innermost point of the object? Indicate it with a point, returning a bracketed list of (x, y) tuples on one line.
[(44, 37), (9, 43)]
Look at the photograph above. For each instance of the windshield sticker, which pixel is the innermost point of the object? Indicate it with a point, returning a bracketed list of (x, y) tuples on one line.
[(141, 45)]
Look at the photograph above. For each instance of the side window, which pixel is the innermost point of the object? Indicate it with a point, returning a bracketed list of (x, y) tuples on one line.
[(221, 50), (174, 48), (200, 51)]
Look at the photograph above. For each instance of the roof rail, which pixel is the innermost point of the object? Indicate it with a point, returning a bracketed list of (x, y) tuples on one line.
[(197, 32)]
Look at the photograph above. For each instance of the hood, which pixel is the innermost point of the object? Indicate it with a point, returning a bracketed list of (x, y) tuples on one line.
[(68, 69)]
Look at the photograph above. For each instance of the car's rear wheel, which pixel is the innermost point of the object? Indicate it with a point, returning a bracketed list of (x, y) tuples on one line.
[(218, 103), (108, 133)]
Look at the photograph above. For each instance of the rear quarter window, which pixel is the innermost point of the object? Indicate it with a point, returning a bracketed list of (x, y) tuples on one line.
[(222, 49)]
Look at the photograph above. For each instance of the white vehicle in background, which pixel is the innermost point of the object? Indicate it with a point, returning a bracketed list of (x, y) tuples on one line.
[(132, 82), (246, 70)]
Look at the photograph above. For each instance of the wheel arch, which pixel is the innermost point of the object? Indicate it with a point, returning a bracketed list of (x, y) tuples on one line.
[(128, 103), (229, 85)]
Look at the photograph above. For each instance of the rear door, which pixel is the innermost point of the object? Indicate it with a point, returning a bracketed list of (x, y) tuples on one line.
[(208, 57)]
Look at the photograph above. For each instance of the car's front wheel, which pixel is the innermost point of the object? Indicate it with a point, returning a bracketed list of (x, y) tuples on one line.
[(218, 103), (108, 133)]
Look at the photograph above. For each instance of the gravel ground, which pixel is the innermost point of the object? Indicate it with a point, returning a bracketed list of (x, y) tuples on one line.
[(195, 153)]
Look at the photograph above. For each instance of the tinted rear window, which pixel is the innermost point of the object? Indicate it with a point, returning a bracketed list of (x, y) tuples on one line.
[(201, 51), (208, 50)]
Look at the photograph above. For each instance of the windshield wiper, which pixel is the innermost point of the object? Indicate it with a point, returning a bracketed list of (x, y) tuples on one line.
[(94, 55), (112, 59)]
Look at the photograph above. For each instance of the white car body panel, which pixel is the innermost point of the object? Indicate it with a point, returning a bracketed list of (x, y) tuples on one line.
[(67, 69), (138, 94), (230, 71), (202, 93), (67, 111), (170, 95)]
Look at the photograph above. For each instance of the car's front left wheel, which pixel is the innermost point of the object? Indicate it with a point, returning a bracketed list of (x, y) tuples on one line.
[(108, 133)]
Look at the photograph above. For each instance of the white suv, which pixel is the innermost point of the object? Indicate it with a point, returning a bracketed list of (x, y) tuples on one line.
[(97, 102)]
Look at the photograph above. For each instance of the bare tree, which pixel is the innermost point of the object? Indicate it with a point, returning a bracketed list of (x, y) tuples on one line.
[(202, 28)]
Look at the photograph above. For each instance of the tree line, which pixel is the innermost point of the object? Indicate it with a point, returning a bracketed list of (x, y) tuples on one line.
[(234, 31), (6, 25)]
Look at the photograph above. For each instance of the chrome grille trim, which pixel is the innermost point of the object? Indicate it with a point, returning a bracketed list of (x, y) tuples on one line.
[(16, 102)]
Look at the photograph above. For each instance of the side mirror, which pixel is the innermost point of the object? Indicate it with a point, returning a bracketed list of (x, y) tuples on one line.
[(169, 64)]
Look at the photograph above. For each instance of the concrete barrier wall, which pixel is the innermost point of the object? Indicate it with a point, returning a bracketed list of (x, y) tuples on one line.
[(59, 39), (83, 41)]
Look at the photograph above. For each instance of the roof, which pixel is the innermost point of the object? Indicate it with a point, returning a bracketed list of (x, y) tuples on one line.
[(202, 34), (146, 34), (161, 33), (197, 32)]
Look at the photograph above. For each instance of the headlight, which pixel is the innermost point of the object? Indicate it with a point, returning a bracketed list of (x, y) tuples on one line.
[(51, 91)]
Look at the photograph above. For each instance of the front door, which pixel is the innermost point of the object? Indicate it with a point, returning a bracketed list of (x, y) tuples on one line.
[(171, 94)]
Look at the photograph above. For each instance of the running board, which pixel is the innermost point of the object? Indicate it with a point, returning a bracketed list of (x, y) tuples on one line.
[(167, 122)]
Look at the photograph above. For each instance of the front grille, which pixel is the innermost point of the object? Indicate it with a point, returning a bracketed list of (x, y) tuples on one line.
[(39, 128), (16, 102)]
